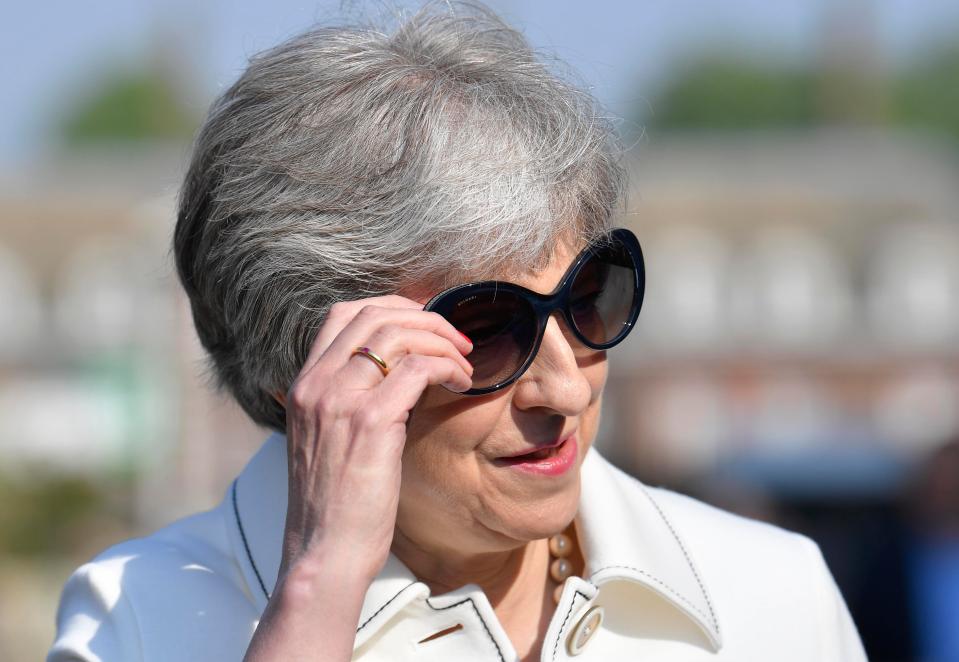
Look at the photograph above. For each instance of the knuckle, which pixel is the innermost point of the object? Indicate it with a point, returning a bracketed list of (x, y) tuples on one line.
[(386, 335), (338, 309), (438, 319), (453, 368), (329, 407), (366, 418), (453, 352), (369, 311), (417, 364), (299, 396)]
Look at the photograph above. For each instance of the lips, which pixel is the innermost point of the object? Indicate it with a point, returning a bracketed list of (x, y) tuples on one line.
[(540, 451), (554, 459)]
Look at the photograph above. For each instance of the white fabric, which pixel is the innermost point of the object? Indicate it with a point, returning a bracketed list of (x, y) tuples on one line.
[(677, 580)]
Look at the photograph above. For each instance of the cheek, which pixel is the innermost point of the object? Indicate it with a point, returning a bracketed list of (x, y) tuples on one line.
[(444, 430), (445, 480), (595, 370)]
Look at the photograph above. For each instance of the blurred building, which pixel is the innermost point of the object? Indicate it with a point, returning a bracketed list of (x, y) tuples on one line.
[(801, 317), (100, 371), (799, 338), (802, 307)]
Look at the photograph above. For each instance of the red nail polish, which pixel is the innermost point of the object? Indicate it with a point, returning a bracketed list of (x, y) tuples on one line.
[(465, 336)]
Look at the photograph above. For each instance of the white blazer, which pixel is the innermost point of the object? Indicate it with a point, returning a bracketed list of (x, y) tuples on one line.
[(667, 578)]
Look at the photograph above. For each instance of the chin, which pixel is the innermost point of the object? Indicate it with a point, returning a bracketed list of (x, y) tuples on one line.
[(541, 518)]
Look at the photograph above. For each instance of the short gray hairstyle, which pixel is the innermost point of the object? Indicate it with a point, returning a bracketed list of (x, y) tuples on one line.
[(356, 161)]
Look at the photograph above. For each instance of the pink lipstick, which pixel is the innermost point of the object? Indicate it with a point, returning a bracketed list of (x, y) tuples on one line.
[(552, 460)]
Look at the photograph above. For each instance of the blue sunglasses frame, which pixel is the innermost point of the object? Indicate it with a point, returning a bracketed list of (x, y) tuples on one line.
[(544, 305)]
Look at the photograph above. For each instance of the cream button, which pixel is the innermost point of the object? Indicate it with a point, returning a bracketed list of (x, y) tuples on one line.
[(584, 630)]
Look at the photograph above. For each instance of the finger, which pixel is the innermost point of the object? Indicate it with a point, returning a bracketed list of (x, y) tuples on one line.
[(362, 371), (399, 391), (359, 331), (341, 314), (394, 343)]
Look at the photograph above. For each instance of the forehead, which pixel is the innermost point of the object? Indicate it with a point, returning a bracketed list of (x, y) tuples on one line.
[(543, 276)]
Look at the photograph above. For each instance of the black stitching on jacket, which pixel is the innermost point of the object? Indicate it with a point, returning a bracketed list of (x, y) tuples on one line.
[(249, 555), (559, 635), (483, 622), (374, 614), (689, 561), (246, 546), (669, 589)]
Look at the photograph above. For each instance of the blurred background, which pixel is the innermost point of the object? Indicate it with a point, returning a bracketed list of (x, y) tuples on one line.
[(795, 184)]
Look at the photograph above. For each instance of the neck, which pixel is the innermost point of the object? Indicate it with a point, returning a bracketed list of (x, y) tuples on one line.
[(515, 582), (503, 575)]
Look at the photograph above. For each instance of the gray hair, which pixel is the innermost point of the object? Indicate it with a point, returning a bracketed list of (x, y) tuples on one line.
[(350, 162)]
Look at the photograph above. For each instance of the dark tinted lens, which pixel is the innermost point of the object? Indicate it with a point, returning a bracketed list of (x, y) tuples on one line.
[(502, 327), (602, 294)]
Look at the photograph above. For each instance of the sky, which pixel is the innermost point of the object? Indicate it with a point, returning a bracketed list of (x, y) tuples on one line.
[(620, 48)]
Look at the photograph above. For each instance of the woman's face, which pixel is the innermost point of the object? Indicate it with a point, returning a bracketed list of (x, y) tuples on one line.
[(457, 492)]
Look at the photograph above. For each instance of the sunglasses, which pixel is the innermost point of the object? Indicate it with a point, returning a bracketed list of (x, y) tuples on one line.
[(600, 296)]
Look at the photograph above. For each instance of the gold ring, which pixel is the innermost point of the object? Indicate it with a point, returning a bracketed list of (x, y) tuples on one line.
[(368, 353)]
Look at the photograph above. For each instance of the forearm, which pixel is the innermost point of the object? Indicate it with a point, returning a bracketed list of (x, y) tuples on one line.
[(346, 430), (312, 614)]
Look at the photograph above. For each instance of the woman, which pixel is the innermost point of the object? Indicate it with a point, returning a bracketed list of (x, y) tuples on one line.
[(399, 257)]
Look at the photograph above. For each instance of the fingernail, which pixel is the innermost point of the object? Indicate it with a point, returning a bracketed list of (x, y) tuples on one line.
[(465, 336), (457, 388)]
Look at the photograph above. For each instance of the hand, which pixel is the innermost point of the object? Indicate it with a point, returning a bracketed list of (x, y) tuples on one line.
[(346, 426)]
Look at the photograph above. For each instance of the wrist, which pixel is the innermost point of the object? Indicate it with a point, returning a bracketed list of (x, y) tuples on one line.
[(316, 602), (323, 570)]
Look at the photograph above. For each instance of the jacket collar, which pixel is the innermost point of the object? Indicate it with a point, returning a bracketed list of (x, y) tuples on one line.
[(625, 535)]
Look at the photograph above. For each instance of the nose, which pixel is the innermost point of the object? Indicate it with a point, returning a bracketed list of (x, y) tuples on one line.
[(555, 380)]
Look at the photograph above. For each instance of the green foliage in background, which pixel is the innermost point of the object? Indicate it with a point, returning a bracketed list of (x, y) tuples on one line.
[(52, 515), (131, 106), (721, 91), (928, 96), (727, 92)]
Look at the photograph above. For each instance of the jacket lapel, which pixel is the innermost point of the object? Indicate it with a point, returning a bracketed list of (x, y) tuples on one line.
[(625, 535)]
